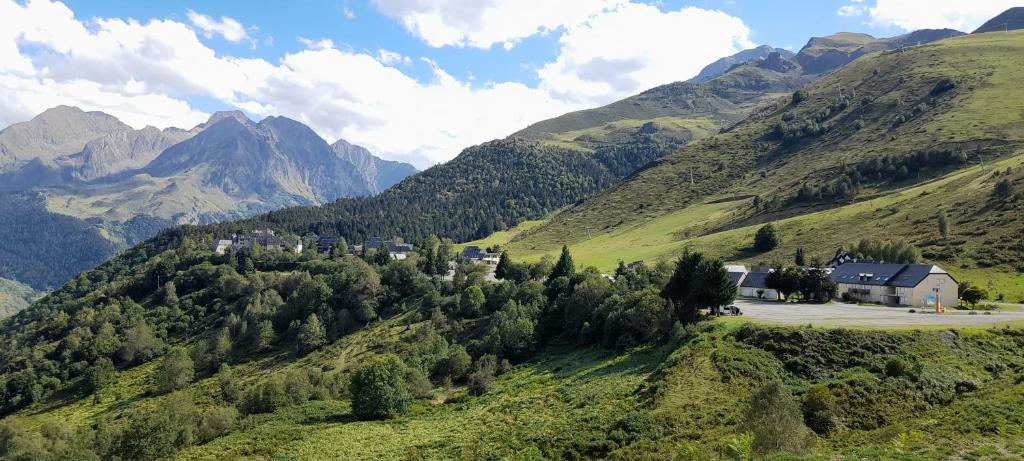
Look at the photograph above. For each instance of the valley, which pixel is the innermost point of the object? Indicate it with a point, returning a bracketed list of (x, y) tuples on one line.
[(809, 255)]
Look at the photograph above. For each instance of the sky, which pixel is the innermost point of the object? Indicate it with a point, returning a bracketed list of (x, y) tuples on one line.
[(412, 80)]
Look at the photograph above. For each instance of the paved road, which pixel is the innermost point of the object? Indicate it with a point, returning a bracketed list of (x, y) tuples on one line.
[(841, 314)]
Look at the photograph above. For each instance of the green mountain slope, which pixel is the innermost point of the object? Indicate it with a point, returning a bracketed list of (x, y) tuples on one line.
[(1011, 19), (14, 297), (897, 125)]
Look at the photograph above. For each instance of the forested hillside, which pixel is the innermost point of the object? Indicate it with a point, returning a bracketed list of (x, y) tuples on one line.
[(171, 351)]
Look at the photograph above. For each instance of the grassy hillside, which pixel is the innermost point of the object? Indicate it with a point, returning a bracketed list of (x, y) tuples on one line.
[(895, 122), (950, 394)]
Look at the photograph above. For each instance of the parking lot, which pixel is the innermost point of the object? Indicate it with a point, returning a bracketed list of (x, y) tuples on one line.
[(841, 314)]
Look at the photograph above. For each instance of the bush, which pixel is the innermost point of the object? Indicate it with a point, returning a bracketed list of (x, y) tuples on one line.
[(819, 408), (482, 378), (943, 85), (775, 420), (900, 368), (216, 422), (379, 389)]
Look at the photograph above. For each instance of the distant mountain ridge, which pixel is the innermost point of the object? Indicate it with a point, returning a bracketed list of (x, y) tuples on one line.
[(115, 185), (1011, 19), (722, 65)]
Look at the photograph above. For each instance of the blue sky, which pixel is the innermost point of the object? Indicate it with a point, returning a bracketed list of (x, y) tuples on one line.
[(782, 23), (414, 80)]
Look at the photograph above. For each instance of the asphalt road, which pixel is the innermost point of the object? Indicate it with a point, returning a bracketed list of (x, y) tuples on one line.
[(851, 315)]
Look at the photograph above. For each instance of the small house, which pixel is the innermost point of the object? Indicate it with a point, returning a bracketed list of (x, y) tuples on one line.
[(753, 286)]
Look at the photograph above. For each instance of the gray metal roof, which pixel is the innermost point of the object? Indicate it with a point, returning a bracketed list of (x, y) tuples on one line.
[(754, 280), (883, 274)]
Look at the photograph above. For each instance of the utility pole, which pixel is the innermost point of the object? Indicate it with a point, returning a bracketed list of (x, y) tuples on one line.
[(588, 233), (691, 175)]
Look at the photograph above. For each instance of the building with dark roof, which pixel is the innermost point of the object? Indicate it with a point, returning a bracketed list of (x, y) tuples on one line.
[(473, 253), (919, 285), (753, 286)]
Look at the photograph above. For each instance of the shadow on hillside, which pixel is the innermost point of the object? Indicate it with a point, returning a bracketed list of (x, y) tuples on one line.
[(330, 418), (594, 363)]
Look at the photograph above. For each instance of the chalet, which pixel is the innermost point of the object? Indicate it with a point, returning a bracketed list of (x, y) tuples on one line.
[(265, 239), (918, 285), (474, 253)]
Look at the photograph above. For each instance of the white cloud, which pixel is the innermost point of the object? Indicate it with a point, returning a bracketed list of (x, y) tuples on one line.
[(145, 74), (851, 11), (228, 28), (392, 57), (484, 23), (636, 47), (316, 44), (933, 14)]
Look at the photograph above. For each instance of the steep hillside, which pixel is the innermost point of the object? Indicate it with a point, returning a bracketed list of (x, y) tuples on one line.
[(899, 123), (486, 188), (379, 173), (1011, 19), (15, 296)]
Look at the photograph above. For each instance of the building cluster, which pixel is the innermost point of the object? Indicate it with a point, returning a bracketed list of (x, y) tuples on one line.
[(397, 251), (264, 239), (894, 284), (476, 254)]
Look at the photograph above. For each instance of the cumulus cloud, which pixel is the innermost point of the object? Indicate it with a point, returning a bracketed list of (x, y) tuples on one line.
[(934, 14), (145, 73), (228, 28), (636, 47), (484, 23)]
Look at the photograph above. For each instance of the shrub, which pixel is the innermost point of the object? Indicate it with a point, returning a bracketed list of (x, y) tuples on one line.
[(379, 389), (900, 368), (482, 378), (775, 421), (819, 408), (216, 422), (943, 85)]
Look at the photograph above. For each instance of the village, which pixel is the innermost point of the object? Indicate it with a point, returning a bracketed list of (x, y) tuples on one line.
[(846, 279)]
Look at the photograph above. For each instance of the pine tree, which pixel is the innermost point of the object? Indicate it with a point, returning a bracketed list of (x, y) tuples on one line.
[(565, 267), (501, 271), (799, 259)]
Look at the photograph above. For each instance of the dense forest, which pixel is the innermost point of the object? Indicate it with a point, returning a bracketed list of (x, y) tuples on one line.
[(488, 187), (44, 249), (196, 313)]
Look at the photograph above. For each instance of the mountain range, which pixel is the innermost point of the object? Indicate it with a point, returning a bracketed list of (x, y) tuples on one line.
[(112, 185)]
